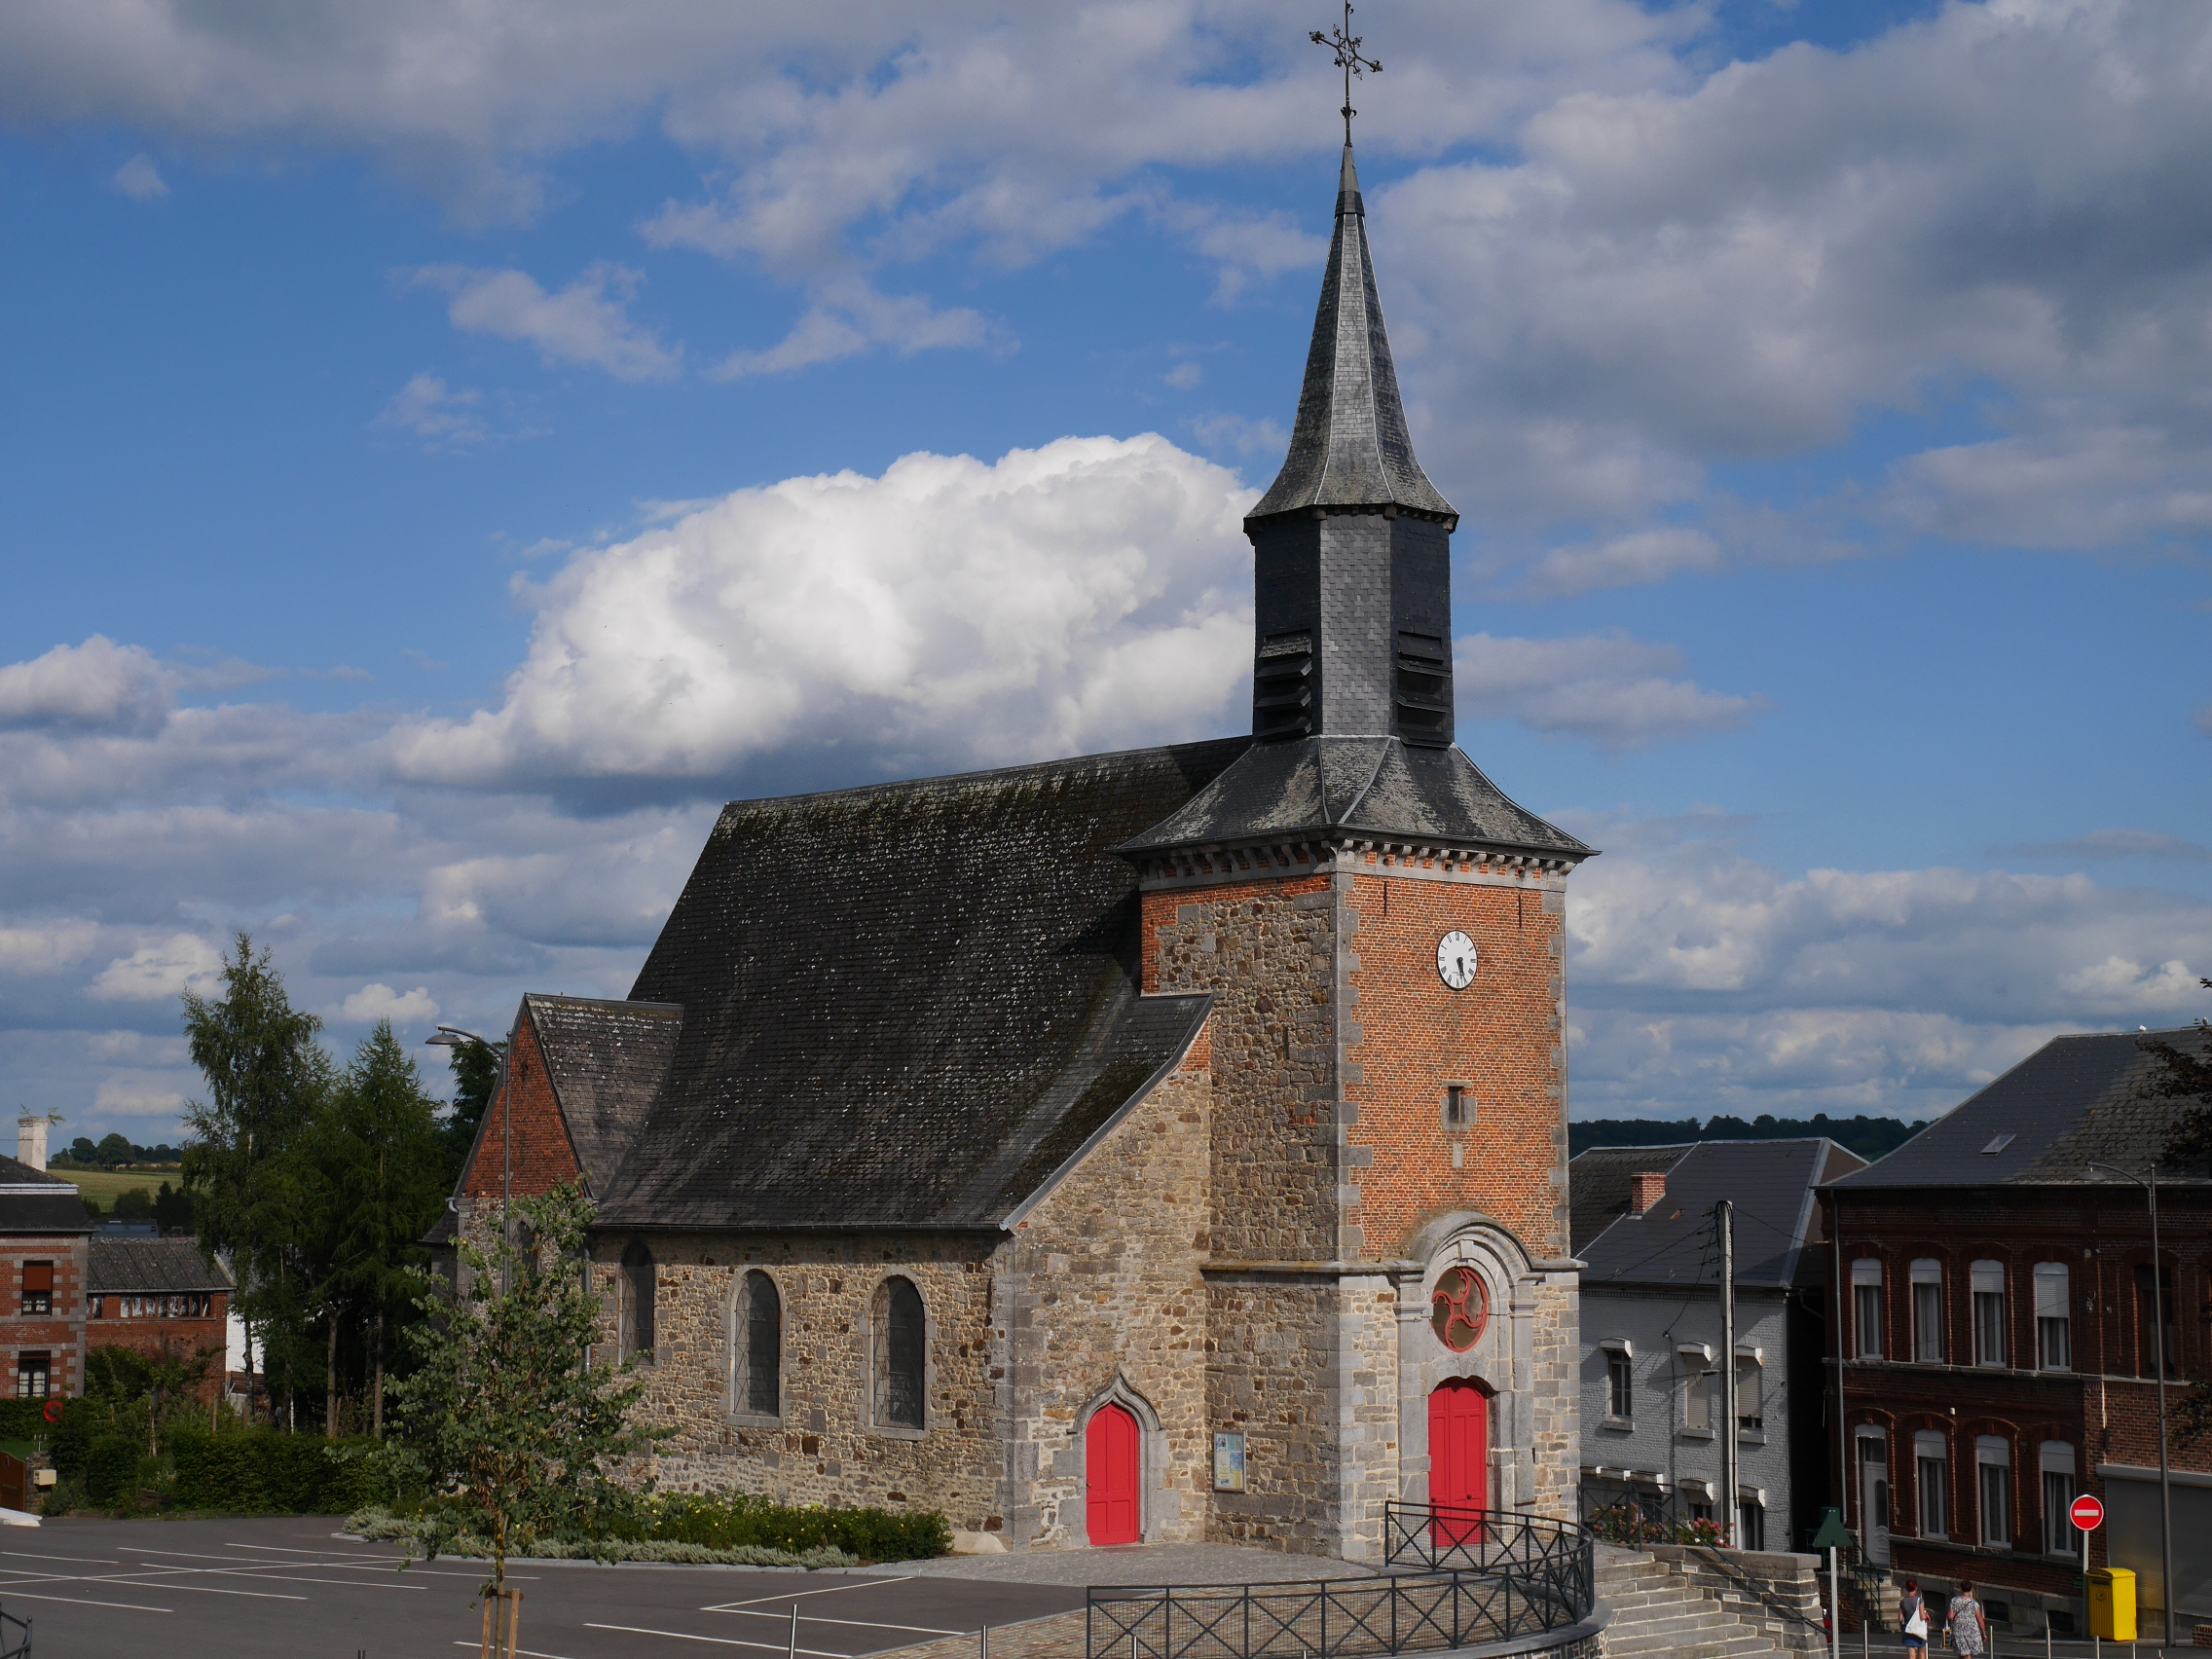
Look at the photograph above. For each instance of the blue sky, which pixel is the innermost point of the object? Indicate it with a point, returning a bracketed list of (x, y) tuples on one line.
[(450, 452)]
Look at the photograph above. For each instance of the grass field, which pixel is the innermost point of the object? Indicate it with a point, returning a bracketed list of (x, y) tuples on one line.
[(103, 1185)]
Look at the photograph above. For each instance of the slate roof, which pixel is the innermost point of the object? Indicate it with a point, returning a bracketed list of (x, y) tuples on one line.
[(2077, 1098), (1770, 1182), (33, 1200), (1597, 1184), (908, 1005), (607, 1061), (130, 1266), (1351, 447), (1373, 785)]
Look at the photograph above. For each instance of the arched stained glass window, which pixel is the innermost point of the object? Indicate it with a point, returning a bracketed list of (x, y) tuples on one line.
[(901, 1340), (762, 1378)]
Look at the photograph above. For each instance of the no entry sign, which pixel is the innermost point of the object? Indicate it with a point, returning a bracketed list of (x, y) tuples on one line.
[(2087, 1513)]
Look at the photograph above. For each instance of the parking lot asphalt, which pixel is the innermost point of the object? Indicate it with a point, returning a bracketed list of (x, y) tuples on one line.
[(287, 1588)]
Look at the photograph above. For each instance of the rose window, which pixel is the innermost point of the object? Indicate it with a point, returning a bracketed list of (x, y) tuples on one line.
[(1458, 1308)]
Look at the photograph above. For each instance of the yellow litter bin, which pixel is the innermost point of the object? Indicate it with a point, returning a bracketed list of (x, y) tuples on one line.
[(2112, 1603)]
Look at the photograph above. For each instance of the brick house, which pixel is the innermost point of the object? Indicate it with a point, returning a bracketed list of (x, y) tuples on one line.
[(1162, 1145), (1651, 1330), (158, 1296), (1996, 1306), (43, 1234)]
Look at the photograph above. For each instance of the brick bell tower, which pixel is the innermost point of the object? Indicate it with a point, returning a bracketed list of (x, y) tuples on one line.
[(1391, 1302)]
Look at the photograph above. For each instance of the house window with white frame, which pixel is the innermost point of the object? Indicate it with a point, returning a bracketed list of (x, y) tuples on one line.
[(1620, 1384), (2055, 1463), (1932, 1469), (1928, 1311), (1866, 1308), (2054, 1322), (1750, 1406), (1698, 1391), (1988, 1285), (1993, 1473)]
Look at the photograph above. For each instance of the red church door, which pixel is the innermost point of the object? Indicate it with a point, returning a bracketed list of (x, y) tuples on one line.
[(1111, 1509), (1458, 1459)]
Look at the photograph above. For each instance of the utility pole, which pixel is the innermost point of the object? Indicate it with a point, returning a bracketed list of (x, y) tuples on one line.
[(1724, 1222)]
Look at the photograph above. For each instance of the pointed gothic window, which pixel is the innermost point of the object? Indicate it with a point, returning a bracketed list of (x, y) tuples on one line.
[(640, 1280), (761, 1380), (901, 1343)]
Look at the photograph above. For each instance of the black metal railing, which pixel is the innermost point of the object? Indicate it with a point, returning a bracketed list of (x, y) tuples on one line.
[(15, 1637), (1454, 1578)]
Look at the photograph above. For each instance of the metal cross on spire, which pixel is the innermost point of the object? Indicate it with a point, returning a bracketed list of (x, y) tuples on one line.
[(1347, 47)]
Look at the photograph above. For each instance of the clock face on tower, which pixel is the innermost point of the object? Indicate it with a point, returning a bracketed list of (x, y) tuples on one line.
[(1456, 960)]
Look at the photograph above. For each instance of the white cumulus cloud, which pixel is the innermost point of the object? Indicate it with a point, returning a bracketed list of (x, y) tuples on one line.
[(97, 684), (587, 322), (136, 1097), (375, 1002), (158, 972), (1090, 593)]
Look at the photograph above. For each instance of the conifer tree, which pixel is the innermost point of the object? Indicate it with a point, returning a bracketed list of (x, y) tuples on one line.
[(377, 1170)]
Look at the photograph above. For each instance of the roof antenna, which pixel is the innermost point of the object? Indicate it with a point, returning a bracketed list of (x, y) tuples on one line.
[(1346, 48)]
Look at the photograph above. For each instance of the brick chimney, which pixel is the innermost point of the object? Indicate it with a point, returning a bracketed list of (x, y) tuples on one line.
[(31, 1142), (1645, 1190)]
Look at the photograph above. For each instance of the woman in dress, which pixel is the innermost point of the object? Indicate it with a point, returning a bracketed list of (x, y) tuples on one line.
[(1967, 1626), (1912, 1619)]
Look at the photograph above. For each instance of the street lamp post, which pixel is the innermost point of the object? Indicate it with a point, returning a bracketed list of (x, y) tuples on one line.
[(2150, 1185)]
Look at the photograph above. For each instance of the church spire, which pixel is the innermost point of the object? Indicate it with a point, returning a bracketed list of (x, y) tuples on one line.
[(1352, 544), (1349, 449)]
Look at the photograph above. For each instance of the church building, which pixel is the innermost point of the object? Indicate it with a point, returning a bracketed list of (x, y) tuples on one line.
[(1168, 1145)]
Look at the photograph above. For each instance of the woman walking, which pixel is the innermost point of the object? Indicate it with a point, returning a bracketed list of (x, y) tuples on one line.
[(1967, 1626), (1913, 1616)]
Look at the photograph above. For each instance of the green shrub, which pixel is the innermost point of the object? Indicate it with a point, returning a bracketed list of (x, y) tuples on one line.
[(262, 1472), (738, 1521), (111, 1471), (25, 1420)]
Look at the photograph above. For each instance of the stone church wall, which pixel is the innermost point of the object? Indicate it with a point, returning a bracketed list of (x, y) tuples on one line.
[(823, 1448), (1096, 1295), (1101, 1297), (1267, 950)]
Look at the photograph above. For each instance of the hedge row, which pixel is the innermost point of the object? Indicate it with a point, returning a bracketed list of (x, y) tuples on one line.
[(262, 1472), (738, 1521)]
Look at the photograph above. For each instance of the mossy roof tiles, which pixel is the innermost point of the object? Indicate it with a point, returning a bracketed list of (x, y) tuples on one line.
[(908, 1005)]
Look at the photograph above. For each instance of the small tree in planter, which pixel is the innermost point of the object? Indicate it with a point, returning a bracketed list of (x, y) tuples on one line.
[(502, 1424)]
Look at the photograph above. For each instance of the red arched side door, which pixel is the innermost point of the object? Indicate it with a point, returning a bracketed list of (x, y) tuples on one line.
[(1459, 1458), (1112, 1511)]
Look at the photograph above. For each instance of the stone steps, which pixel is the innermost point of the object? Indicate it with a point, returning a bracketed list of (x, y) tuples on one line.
[(1657, 1610)]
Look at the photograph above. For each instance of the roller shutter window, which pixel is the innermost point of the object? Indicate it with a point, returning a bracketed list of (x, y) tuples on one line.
[(1989, 1344), (1867, 1307), (38, 1287)]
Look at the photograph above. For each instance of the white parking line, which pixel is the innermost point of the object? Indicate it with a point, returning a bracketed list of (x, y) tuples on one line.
[(811, 1619), (413, 1563), (88, 1560), (719, 1640), (794, 1594), (132, 1581), (530, 1652), (85, 1602)]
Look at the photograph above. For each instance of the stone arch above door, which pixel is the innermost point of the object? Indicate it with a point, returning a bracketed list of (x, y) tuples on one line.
[(1152, 1460), (1451, 1251)]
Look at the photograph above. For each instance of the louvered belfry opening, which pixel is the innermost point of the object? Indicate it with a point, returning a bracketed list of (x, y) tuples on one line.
[(1351, 543)]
